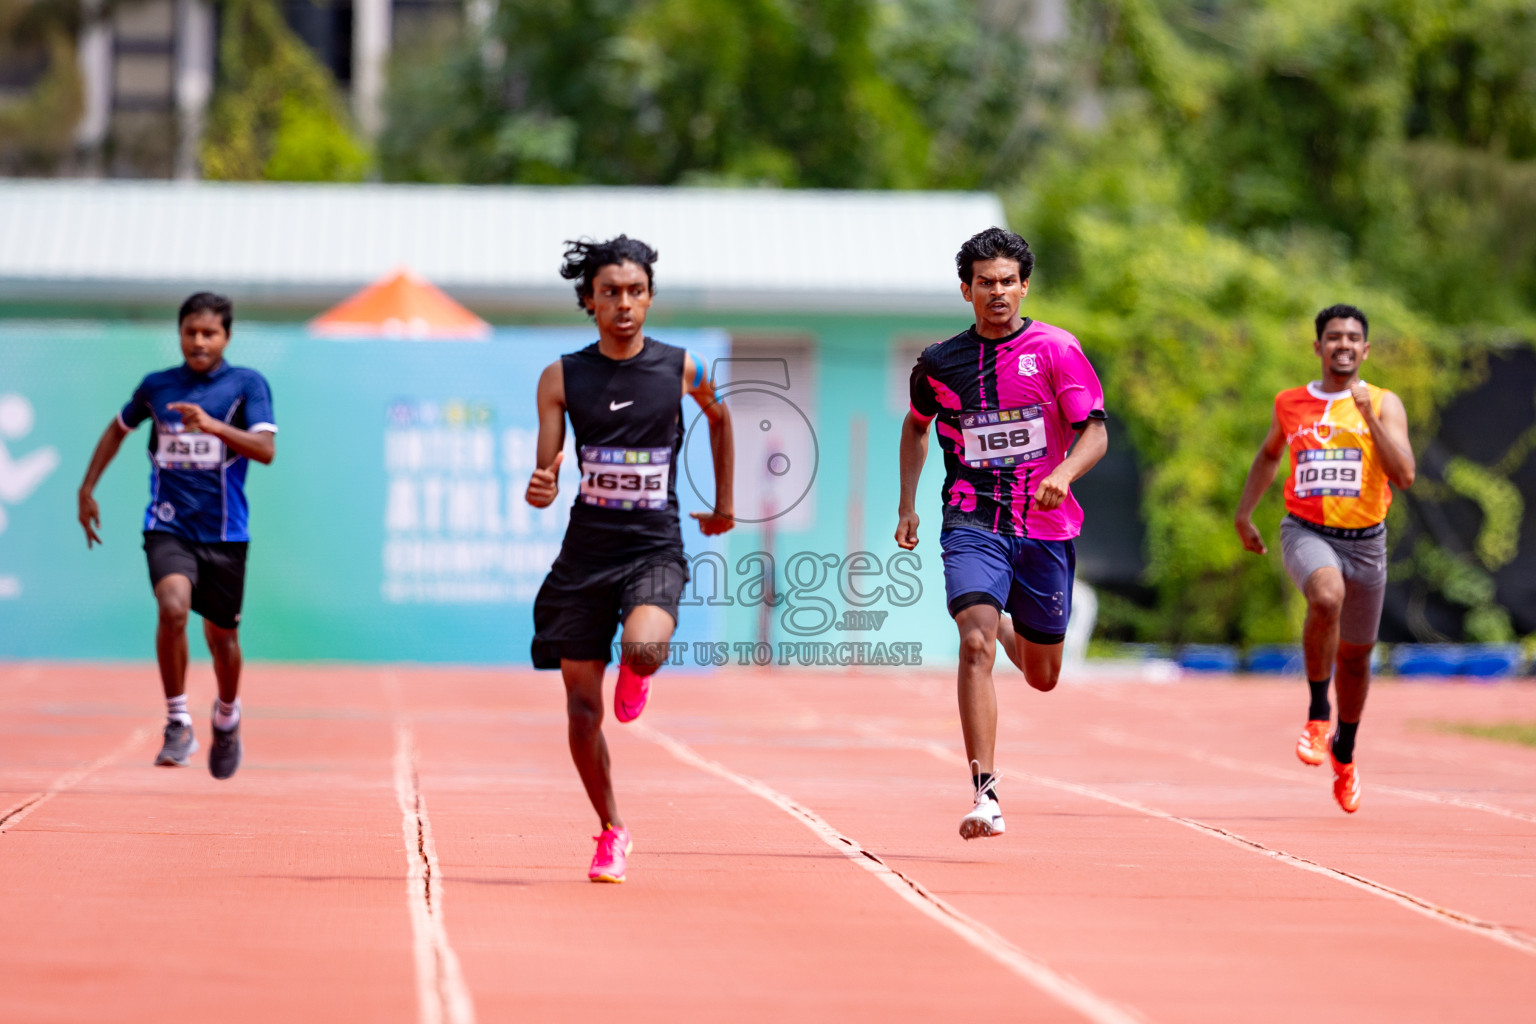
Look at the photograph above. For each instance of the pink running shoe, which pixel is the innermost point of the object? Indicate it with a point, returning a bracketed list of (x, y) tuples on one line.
[(609, 861), (630, 695)]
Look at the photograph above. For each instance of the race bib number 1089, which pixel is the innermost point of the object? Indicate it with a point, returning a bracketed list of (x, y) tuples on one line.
[(1328, 473), (1003, 438), (625, 478), (189, 451)]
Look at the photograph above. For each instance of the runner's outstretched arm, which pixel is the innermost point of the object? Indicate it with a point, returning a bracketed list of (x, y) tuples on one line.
[(106, 450), (545, 483), (914, 452), (260, 446), (1260, 475), (1389, 432), (1092, 442), (722, 447)]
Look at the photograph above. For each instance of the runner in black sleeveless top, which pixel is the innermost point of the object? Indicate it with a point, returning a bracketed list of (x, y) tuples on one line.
[(622, 561)]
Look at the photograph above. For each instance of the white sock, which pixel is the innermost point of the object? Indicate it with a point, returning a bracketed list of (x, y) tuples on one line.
[(226, 716), (176, 710)]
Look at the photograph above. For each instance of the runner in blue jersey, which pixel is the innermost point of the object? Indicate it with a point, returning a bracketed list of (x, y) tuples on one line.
[(210, 419)]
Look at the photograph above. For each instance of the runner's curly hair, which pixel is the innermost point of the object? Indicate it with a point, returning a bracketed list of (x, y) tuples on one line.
[(992, 244), (1342, 311), (584, 258)]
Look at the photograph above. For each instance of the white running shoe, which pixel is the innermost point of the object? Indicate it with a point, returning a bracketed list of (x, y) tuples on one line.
[(986, 818)]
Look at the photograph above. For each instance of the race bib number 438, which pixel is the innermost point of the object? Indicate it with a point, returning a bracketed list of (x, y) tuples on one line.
[(1328, 473), (1003, 438), (189, 451), (625, 478)]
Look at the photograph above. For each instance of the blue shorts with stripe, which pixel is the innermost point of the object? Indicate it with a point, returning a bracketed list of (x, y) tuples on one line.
[(1029, 579)]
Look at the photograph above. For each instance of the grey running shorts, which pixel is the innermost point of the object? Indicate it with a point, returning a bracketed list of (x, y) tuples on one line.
[(1362, 561)]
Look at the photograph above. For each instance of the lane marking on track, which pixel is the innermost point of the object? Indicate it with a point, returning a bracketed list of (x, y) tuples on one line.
[(441, 995), (1517, 941), (1115, 737), (1062, 987), (72, 778)]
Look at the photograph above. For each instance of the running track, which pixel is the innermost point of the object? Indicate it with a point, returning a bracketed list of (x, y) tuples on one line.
[(411, 844)]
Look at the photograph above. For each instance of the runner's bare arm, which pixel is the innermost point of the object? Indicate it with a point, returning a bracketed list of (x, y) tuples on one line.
[(261, 446), (106, 450), (545, 483), (1092, 442), (722, 446), (1260, 475), (914, 452), (1389, 432)]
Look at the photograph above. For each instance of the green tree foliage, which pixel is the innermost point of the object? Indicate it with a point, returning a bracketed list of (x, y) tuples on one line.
[(1262, 159), (1195, 332), (37, 125), (276, 113), (811, 93), (1406, 128), (1199, 177)]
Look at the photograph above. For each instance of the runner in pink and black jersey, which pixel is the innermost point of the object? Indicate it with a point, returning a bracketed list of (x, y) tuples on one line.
[(1020, 415)]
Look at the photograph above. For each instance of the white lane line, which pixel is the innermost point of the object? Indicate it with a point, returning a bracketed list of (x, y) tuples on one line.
[(441, 995), (1456, 919), (1062, 987), (1115, 737), (72, 778)]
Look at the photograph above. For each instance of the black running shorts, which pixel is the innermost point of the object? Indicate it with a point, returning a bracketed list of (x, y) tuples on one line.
[(217, 572), (580, 607)]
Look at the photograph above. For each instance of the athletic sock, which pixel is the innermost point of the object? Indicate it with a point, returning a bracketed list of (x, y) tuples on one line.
[(1319, 711), (1344, 742), (983, 784), (176, 710), (226, 716)]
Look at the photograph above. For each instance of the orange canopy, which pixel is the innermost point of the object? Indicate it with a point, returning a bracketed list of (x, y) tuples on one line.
[(401, 304)]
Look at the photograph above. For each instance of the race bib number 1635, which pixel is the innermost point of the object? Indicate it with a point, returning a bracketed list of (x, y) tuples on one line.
[(625, 478)]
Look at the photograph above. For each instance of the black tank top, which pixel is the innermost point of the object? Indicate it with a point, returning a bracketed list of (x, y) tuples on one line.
[(628, 420)]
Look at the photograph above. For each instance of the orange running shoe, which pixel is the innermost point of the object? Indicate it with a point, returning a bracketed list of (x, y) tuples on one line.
[(1346, 784), (1312, 746)]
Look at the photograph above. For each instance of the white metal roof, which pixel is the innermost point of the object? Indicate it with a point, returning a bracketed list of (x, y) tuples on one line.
[(495, 248)]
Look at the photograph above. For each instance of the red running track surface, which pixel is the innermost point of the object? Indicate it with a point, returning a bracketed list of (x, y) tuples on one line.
[(411, 844)]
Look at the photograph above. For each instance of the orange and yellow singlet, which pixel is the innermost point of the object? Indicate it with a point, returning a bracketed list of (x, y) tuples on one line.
[(1336, 479)]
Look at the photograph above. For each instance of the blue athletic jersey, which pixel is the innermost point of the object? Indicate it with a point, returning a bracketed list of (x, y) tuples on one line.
[(197, 486)]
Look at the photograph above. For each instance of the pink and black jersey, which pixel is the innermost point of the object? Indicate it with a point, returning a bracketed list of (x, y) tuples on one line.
[(1008, 410)]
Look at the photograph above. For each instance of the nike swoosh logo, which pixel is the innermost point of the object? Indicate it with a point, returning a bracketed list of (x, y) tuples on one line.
[(616, 406)]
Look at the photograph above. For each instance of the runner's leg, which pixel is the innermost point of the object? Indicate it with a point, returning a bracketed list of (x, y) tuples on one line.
[(1040, 663), (978, 627), (224, 645), (174, 595), (1352, 681), (1320, 636), (646, 630), (584, 711), (1010, 641)]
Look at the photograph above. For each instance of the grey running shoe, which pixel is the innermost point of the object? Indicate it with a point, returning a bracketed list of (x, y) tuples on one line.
[(224, 758), (179, 745)]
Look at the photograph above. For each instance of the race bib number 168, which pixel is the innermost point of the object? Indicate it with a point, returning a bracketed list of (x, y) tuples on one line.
[(1003, 438)]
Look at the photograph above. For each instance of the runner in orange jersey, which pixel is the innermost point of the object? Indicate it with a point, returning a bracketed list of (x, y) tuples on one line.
[(1348, 441)]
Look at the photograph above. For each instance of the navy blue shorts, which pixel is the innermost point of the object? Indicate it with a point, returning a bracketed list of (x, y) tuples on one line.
[(1030, 579)]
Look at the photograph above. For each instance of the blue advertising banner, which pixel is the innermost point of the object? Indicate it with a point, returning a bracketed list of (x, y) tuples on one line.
[(390, 527)]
